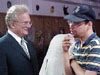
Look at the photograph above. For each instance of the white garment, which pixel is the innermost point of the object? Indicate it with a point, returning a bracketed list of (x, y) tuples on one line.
[(53, 62)]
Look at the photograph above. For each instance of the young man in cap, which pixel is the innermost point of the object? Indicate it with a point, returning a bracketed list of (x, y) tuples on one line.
[(85, 58)]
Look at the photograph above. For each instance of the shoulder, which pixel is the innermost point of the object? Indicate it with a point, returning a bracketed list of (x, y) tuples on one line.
[(7, 37), (95, 41), (94, 45), (3, 39)]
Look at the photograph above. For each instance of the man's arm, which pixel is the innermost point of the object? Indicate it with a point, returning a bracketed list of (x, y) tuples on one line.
[(79, 71), (75, 66), (66, 44), (3, 65), (68, 69)]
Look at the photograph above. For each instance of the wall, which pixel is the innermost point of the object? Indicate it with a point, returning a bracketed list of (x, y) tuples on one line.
[(3, 28), (45, 5)]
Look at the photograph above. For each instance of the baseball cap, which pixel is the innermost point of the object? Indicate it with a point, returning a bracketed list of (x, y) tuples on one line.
[(81, 13)]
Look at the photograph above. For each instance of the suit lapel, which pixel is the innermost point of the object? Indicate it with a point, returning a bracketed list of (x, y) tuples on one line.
[(33, 56), (16, 45), (31, 51)]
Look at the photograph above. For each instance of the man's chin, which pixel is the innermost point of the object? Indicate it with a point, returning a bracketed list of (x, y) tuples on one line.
[(76, 36), (25, 34)]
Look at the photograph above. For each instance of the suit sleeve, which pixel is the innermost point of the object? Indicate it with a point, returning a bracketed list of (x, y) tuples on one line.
[(36, 69), (3, 65)]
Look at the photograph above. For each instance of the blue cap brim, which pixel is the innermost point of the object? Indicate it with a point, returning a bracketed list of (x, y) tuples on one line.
[(74, 18)]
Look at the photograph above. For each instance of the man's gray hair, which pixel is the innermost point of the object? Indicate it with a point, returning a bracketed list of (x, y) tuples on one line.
[(13, 13)]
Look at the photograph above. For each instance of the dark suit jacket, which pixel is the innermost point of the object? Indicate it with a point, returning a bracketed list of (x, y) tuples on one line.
[(13, 60)]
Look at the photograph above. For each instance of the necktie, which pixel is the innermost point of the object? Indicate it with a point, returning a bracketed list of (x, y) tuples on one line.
[(24, 47)]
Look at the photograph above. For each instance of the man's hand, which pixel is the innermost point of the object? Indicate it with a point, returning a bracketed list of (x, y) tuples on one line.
[(71, 56), (66, 43)]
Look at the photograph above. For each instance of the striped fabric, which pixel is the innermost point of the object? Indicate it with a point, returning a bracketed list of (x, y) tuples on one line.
[(88, 56)]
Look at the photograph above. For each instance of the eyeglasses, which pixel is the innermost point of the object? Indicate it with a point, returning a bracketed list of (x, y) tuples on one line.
[(75, 24), (25, 23)]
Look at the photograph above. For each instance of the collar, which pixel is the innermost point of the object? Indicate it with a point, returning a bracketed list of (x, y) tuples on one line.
[(88, 40), (17, 38)]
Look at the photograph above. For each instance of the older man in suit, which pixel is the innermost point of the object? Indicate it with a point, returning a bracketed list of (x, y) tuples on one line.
[(17, 55)]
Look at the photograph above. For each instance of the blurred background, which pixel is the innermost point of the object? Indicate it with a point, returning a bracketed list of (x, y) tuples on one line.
[(47, 18)]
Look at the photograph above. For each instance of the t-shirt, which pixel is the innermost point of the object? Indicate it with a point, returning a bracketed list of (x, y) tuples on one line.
[(88, 55)]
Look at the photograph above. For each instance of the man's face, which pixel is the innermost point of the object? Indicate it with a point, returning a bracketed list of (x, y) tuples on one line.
[(78, 29), (22, 25)]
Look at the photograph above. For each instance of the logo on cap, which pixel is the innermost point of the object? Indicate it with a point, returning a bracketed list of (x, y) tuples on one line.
[(77, 9)]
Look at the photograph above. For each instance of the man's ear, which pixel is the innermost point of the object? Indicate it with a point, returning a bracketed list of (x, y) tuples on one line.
[(90, 23), (12, 24)]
